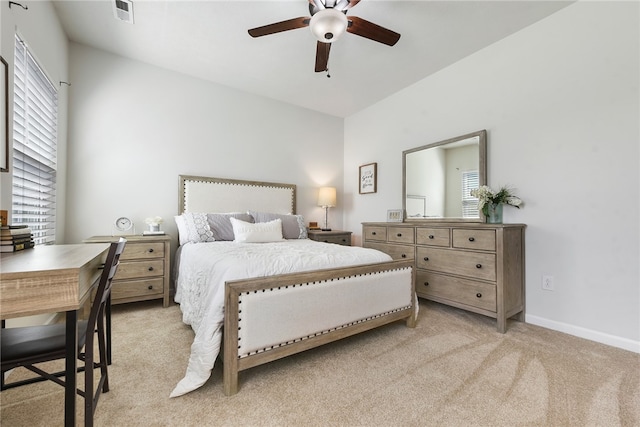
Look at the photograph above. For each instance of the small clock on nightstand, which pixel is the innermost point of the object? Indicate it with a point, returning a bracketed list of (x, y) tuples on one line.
[(123, 226)]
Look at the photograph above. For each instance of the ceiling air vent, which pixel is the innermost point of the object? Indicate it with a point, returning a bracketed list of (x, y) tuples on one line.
[(123, 10)]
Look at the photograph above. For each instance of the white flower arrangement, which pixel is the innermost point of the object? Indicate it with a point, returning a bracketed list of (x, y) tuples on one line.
[(153, 220), (486, 196)]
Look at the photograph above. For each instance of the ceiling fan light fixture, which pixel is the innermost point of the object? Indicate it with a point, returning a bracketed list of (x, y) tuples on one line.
[(328, 25)]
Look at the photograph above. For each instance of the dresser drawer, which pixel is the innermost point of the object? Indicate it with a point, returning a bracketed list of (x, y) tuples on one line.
[(143, 250), (463, 291), (471, 264), (474, 239), (140, 269), (375, 233), (338, 240), (395, 251), (433, 236), (400, 235), (137, 288)]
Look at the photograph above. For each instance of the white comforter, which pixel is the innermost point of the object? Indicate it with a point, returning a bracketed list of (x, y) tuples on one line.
[(205, 267)]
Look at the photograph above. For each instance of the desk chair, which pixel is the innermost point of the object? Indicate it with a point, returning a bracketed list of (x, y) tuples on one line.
[(26, 346)]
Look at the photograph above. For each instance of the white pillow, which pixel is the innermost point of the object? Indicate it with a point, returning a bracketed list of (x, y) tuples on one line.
[(193, 227), (246, 232), (292, 225)]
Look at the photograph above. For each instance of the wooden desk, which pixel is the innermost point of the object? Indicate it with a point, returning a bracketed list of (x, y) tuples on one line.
[(48, 279)]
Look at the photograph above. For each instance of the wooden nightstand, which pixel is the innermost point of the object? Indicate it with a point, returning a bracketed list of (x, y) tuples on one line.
[(144, 270), (339, 237)]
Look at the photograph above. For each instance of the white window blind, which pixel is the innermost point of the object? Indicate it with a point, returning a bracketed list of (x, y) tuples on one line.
[(35, 130), (470, 181)]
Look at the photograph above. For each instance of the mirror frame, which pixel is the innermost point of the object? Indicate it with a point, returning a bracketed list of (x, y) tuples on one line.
[(482, 174)]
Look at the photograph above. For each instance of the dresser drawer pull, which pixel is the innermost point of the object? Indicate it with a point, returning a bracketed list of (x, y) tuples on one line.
[(150, 269), (399, 234), (373, 233), (150, 287), (403, 255), (426, 258), (431, 236), (478, 265), (426, 283), (479, 295), (150, 250), (326, 241), (472, 239)]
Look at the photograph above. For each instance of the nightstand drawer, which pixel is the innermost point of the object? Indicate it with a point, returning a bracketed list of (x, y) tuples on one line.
[(137, 250), (140, 269), (339, 240), (463, 291), (137, 288), (471, 264)]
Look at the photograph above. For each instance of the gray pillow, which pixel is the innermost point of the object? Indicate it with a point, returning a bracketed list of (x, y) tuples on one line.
[(220, 224), (292, 225)]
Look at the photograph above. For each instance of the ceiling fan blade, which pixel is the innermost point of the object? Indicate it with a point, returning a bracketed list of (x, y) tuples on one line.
[(369, 30), (346, 4), (322, 56), (278, 27)]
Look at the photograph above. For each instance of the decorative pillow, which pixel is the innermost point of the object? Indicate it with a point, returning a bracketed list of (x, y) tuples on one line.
[(263, 232), (193, 227), (292, 225), (221, 226)]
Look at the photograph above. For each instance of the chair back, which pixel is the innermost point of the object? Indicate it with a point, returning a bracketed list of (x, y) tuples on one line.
[(104, 287)]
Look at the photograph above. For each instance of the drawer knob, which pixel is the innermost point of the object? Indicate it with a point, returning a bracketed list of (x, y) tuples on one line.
[(150, 287), (326, 241), (399, 234), (403, 255), (150, 250), (426, 283), (150, 268), (426, 258), (478, 265), (373, 233), (472, 239), (479, 295), (431, 236)]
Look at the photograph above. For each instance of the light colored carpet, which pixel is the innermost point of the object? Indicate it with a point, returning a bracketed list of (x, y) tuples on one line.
[(453, 369)]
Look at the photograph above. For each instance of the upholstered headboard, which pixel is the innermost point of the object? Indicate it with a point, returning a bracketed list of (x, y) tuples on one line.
[(215, 195)]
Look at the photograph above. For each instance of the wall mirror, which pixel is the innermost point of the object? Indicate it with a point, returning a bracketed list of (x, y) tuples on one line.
[(438, 179)]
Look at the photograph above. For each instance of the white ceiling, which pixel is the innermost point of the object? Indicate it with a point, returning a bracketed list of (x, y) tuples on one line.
[(208, 39)]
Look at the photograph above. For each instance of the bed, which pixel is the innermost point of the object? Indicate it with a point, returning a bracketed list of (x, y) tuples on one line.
[(272, 295)]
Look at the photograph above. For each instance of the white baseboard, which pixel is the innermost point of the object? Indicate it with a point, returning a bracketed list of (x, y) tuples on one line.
[(612, 340)]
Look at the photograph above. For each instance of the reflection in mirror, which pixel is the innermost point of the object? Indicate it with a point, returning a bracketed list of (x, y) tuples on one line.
[(439, 177)]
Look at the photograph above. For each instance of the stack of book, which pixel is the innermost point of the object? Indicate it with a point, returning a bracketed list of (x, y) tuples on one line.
[(15, 238)]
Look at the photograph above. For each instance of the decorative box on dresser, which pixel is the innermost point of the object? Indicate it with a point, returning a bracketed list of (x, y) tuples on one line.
[(474, 266), (338, 237), (144, 270)]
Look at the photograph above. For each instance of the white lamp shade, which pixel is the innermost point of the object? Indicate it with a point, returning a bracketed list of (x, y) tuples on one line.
[(327, 197), (328, 25)]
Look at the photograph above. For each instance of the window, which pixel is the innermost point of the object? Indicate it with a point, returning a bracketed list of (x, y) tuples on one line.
[(470, 181), (35, 130)]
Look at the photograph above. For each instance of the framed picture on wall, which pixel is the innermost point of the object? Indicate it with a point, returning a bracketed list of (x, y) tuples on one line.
[(4, 115), (368, 178)]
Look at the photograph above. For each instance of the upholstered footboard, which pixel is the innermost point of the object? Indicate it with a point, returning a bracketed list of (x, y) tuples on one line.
[(273, 317)]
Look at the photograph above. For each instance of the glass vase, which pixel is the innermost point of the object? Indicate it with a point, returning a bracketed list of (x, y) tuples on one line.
[(494, 213)]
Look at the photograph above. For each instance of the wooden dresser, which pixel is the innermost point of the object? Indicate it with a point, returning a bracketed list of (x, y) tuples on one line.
[(474, 266), (144, 270)]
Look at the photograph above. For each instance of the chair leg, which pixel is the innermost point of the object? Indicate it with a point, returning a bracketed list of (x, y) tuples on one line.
[(102, 348)]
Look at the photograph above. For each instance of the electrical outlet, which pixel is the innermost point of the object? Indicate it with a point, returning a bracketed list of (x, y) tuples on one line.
[(547, 283)]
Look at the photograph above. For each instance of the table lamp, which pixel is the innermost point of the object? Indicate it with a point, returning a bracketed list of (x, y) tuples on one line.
[(327, 199)]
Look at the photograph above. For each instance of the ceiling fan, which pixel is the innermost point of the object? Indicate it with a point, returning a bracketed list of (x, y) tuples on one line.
[(328, 21)]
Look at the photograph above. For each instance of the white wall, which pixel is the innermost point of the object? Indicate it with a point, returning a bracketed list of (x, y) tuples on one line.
[(134, 128), (559, 100)]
